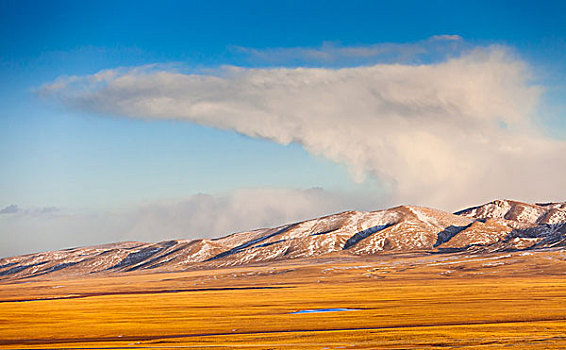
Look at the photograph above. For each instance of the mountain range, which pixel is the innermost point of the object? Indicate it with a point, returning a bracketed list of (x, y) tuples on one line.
[(501, 225)]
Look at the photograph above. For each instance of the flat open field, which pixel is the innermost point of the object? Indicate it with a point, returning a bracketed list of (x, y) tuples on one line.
[(397, 302)]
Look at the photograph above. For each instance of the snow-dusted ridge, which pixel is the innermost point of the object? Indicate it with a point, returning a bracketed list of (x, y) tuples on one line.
[(500, 225)]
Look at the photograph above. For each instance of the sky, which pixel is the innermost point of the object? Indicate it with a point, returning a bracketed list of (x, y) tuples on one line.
[(154, 120)]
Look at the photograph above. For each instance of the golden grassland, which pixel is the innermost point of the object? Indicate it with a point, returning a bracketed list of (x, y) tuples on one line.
[(403, 302)]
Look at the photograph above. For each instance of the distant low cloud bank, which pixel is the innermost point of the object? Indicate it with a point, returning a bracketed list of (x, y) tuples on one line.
[(10, 209), (196, 216), (445, 134)]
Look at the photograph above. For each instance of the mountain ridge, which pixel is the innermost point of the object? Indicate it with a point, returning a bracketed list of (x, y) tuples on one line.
[(496, 226)]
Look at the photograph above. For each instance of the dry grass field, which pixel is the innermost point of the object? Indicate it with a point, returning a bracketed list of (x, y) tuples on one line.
[(399, 302)]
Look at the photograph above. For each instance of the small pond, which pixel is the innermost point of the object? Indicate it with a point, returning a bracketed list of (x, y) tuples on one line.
[(322, 310)]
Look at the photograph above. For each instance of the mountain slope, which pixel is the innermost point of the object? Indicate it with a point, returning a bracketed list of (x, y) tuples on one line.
[(496, 226)]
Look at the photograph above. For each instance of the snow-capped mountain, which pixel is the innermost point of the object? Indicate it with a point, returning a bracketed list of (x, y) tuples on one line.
[(496, 226)]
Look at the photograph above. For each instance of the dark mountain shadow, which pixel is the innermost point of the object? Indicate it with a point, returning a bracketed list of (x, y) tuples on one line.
[(448, 250), (449, 232), (364, 234), (143, 254), (270, 243), (243, 246), (150, 264), (324, 232), (17, 269), (55, 268), (556, 237), (7, 265)]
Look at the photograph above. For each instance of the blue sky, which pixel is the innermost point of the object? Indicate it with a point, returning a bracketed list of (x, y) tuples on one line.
[(94, 158)]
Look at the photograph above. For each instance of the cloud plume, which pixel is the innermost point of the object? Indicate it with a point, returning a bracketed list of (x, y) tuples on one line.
[(445, 134)]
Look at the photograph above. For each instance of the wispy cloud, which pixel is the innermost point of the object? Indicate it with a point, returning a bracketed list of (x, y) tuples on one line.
[(448, 37), (447, 134), (14, 209), (435, 48)]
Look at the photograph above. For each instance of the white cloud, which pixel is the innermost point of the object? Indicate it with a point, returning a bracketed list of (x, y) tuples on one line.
[(198, 216), (446, 37), (448, 134)]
